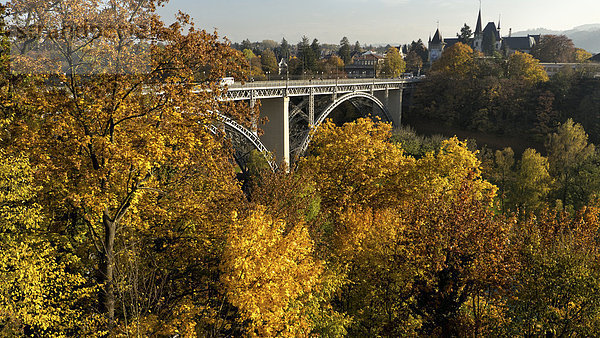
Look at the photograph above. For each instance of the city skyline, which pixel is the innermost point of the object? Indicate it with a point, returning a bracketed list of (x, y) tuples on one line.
[(376, 21)]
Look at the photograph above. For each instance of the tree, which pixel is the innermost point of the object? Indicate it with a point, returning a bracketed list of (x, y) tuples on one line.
[(554, 48), (246, 44), (357, 47), (284, 50), (419, 48), (255, 70), (40, 294), (414, 63), (465, 35), (316, 53), (306, 55), (269, 44), (267, 268), (361, 143), (393, 64), (456, 61), (532, 182), (524, 67), (269, 62), (582, 55), (555, 288), (334, 65), (502, 174), (388, 214), (568, 149), (344, 51), (112, 159)]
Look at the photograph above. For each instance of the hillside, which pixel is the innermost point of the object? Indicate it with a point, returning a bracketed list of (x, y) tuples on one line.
[(584, 36)]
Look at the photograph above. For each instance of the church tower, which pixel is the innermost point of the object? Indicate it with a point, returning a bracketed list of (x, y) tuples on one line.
[(436, 46), (478, 35)]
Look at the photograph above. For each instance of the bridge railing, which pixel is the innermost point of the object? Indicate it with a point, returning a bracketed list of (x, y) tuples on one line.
[(317, 82)]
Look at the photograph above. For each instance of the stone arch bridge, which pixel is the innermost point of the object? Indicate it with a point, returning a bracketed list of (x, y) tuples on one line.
[(294, 108)]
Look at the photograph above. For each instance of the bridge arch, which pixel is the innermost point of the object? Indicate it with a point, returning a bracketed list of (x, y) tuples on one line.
[(325, 114), (243, 139)]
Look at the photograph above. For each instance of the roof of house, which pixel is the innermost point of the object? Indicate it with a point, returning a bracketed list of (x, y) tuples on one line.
[(595, 58), (490, 28), (451, 41), (371, 54), (437, 37), (478, 27), (519, 42)]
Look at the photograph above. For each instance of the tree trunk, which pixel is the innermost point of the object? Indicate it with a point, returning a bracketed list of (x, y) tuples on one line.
[(107, 263)]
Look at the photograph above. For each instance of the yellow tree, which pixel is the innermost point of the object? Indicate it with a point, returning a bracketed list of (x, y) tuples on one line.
[(38, 293), (582, 55), (416, 239), (268, 267), (393, 65), (354, 164), (117, 134), (525, 67), (456, 61)]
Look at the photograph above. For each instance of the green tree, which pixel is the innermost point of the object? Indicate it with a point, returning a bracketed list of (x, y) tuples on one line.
[(414, 63), (465, 35), (532, 182), (502, 174), (306, 55), (357, 48), (284, 50), (316, 54), (344, 51), (568, 149)]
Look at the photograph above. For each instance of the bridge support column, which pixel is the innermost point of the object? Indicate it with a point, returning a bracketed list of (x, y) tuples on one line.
[(276, 135), (394, 105), (254, 118), (311, 107)]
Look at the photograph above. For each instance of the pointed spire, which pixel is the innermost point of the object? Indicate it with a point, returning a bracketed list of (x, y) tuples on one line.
[(437, 37), (478, 29), (499, 17)]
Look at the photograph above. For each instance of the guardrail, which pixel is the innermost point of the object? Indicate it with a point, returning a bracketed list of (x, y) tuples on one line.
[(317, 82)]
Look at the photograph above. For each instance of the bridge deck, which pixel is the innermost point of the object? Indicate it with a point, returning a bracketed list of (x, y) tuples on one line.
[(273, 89)]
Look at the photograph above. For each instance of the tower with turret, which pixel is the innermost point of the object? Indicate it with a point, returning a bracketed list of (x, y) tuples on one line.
[(436, 46)]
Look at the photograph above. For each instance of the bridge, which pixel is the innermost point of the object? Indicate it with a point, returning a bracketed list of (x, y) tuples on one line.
[(294, 108)]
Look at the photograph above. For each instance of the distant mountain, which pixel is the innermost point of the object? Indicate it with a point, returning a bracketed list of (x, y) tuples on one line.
[(584, 36)]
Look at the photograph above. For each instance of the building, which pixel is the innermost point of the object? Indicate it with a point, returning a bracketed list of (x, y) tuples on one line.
[(283, 66), (367, 64), (436, 46), (486, 39)]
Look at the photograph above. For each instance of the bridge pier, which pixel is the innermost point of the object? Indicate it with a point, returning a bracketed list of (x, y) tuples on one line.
[(393, 103), (276, 136)]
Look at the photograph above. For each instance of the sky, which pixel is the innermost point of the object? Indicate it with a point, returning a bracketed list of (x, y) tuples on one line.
[(375, 21)]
